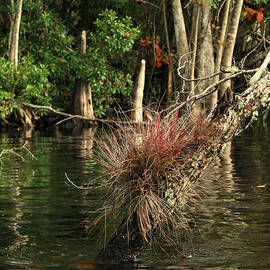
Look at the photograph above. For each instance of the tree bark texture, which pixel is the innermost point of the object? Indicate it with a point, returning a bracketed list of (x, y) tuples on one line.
[(222, 36), (126, 243), (179, 28), (170, 70), (205, 58), (14, 33), (261, 70), (194, 46), (182, 46), (23, 115), (82, 97), (230, 43)]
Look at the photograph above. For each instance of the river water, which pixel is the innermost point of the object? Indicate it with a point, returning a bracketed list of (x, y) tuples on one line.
[(43, 218)]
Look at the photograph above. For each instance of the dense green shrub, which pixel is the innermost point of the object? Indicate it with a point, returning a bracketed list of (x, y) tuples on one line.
[(29, 83), (50, 61)]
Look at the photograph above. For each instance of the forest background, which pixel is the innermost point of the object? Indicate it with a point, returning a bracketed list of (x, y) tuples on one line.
[(181, 41)]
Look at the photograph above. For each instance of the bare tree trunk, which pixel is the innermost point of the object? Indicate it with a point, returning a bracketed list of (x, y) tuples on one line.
[(170, 70), (124, 246), (12, 20), (194, 45), (181, 44), (230, 41), (221, 47), (169, 85), (14, 33), (205, 58), (179, 28), (24, 115), (137, 113), (82, 97)]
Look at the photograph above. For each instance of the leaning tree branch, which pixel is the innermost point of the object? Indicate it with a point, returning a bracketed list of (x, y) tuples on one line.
[(261, 70), (128, 241)]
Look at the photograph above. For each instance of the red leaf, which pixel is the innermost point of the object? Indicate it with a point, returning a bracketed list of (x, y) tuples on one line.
[(259, 16)]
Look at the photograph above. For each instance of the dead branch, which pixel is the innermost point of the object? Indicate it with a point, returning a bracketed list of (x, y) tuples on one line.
[(202, 78), (70, 116), (211, 89), (74, 185)]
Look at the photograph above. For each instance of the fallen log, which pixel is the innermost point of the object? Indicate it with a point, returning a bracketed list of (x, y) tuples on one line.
[(152, 171)]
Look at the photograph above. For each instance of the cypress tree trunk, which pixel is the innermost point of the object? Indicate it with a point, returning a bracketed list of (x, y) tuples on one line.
[(82, 96), (179, 28)]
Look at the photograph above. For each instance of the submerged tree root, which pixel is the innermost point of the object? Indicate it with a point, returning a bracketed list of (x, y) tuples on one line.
[(123, 246)]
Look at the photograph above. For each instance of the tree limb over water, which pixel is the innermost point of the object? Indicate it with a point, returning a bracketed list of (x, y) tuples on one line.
[(173, 193)]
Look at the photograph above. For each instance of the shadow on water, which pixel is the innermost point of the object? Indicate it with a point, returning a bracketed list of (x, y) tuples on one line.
[(42, 218)]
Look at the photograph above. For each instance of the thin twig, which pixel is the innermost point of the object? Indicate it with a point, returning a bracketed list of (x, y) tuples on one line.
[(149, 3), (74, 185), (262, 37), (204, 78), (207, 91), (66, 119)]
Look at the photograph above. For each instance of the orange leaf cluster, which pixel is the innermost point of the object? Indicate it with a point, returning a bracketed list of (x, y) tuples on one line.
[(251, 12), (160, 56)]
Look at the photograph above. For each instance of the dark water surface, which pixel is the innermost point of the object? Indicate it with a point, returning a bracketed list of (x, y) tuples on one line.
[(42, 218)]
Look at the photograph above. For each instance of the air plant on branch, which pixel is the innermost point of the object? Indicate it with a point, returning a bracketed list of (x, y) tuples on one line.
[(140, 166)]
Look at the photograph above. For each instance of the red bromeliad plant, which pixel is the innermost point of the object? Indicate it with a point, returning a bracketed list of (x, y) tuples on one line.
[(140, 165)]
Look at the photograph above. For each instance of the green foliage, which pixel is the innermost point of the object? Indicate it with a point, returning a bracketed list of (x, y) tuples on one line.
[(29, 83), (211, 3), (7, 79), (46, 39), (261, 1), (50, 61), (33, 84), (103, 64), (117, 35)]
